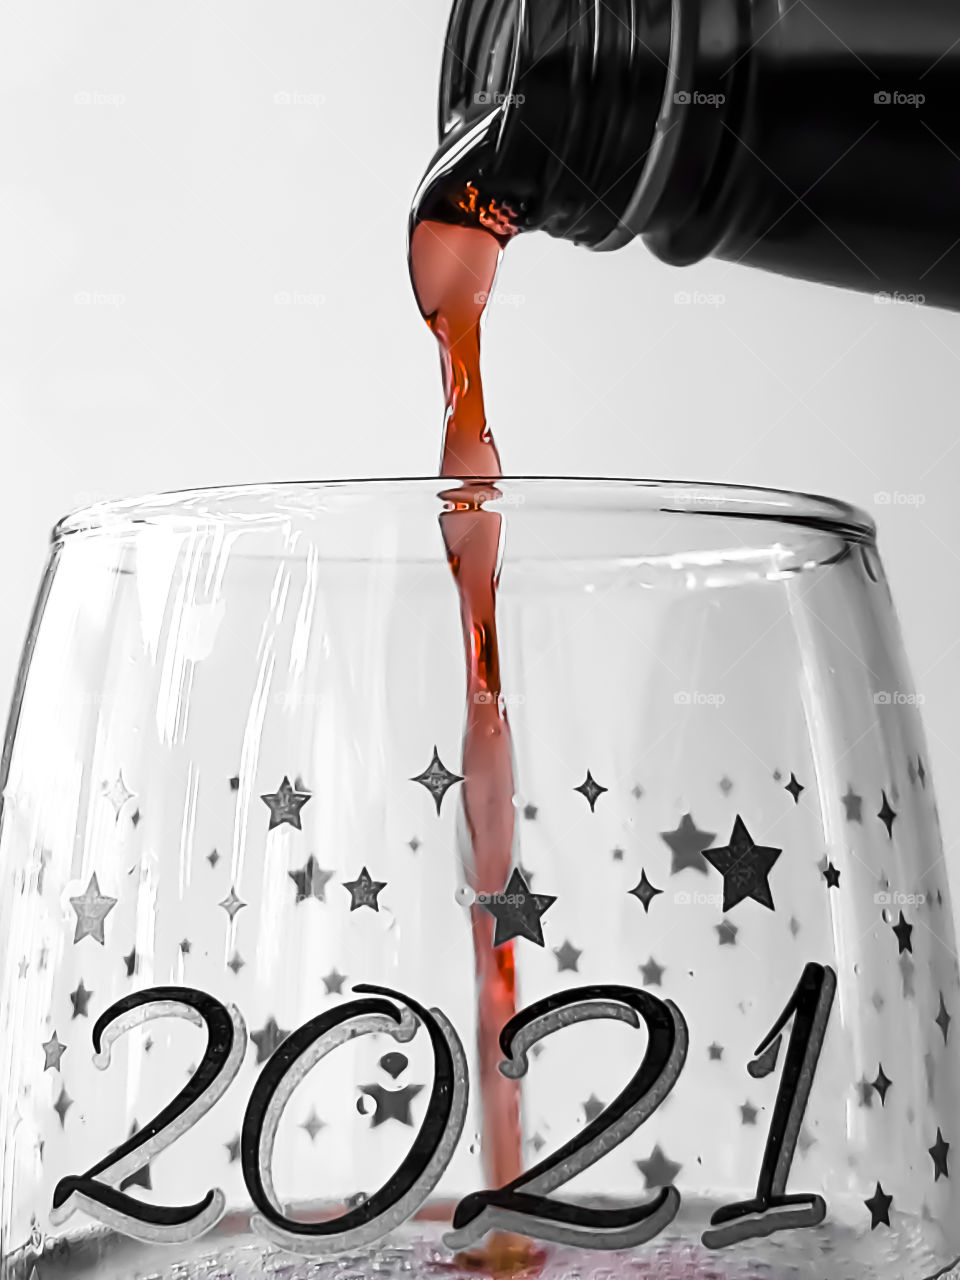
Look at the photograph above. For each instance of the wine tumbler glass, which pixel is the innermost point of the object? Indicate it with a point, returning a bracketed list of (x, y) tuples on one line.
[(331, 947)]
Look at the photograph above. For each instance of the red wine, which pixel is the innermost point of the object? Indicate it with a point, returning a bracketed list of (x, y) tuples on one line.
[(452, 267)]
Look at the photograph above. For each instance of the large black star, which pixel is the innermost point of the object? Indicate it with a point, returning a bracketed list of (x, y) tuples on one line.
[(687, 844), (904, 934), (364, 891), (391, 1104), (938, 1154), (591, 790), (645, 891), (268, 1039), (311, 881), (437, 779), (285, 804), (879, 1206), (745, 867), (517, 911)]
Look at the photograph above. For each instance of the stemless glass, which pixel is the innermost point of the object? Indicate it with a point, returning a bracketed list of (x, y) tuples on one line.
[(240, 1031)]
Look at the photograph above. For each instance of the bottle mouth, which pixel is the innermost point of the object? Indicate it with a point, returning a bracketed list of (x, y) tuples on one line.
[(558, 101)]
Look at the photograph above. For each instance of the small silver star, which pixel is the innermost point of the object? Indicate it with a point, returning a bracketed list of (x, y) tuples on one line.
[(268, 1039), (715, 1052), (236, 962), (652, 973), (530, 812), (334, 982), (725, 785), (53, 1051), (80, 999), (186, 946), (364, 891), (117, 793), (748, 1114), (644, 891), (213, 858), (92, 909), (727, 933), (413, 844), (568, 958), (437, 779), (658, 1170), (794, 925), (285, 804), (312, 1125), (232, 904), (687, 843), (853, 805), (591, 790)]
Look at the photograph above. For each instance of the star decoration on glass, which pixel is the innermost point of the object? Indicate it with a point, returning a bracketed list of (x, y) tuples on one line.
[(568, 958), (186, 946), (748, 1114), (213, 858), (130, 962), (591, 790), (715, 1052), (865, 1093), (391, 1104), (832, 876), (921, 772), (530, 812), (333, 983), (805, 1141), (364, 891), (687, 844), (232, 904), (62, 1105), (23, 967), (794, 925), (652, 973), (887, 815), (92, 909), (882, 1085), (80, 999), (311, 881), (118, 794), (644, 891), (285, 804), (795, 788), (592, 1108), (617, 855), (904, 934), (140, 1177), (637, 792), (437, 779), (852, 805), (517, 911), (268, 1039), (234, 783), (726, 933), (745, 867), (906, 976), (233, 1150), (312, 1125), (413, 845), (236, 962), (879, 1205), (725, 785), (938, 1154), (658, 1169), (943, 1019), (53, 1051)]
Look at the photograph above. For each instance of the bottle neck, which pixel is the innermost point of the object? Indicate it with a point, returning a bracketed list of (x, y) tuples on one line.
[(553, 106)]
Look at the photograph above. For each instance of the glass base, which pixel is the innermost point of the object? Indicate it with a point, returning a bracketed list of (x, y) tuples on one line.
[(829, 1252)]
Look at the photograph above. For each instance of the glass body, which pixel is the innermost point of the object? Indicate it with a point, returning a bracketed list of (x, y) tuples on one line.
[(230, 797)]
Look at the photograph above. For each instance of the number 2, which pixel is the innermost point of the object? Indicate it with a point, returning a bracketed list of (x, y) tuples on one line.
[(96, 1191)]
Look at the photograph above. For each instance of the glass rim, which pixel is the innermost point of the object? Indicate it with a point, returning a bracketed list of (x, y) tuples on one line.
[(584, 494)]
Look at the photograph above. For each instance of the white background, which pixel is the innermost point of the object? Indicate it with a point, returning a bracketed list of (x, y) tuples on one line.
[(172, 173)]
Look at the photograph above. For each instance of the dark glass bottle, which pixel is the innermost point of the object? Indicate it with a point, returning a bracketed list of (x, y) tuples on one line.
[(815, 138)]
